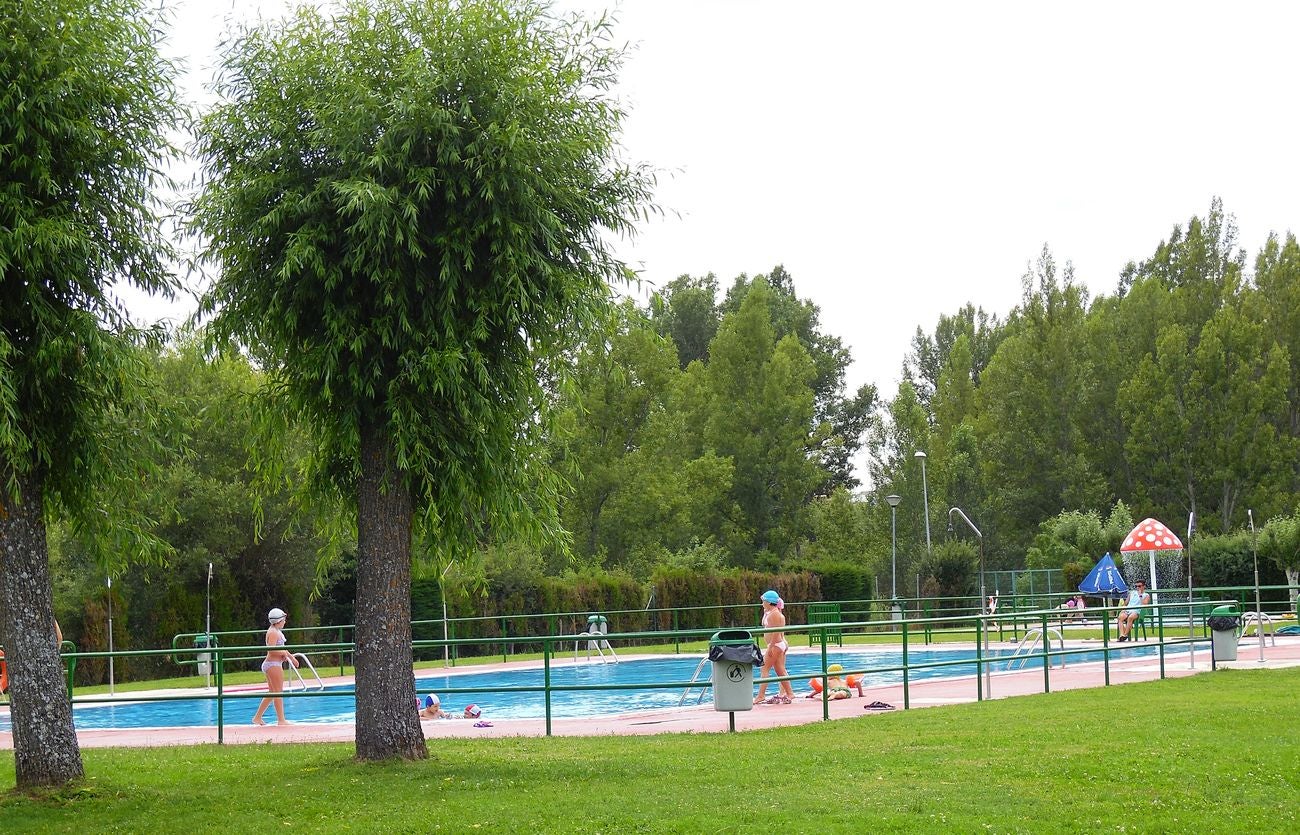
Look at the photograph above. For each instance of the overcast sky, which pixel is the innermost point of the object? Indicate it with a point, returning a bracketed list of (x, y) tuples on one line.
[(904, 159)]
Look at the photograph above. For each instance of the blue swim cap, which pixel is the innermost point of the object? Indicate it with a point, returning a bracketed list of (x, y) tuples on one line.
[(772, 597)]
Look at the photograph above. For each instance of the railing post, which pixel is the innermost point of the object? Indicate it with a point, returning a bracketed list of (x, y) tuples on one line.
[(1047, 656), (906, 678), (1105, 642), (546, 680), (221, 728), (826, 696), (1160, 638)]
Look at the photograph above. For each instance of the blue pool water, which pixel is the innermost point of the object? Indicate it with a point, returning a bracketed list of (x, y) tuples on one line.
[(500, 696)]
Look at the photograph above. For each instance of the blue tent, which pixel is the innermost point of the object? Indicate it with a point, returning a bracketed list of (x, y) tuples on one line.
[(1104, 580)]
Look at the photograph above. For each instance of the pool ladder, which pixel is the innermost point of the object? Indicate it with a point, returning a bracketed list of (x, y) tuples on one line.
[(1030, 642), (695, 676), (297, 672)]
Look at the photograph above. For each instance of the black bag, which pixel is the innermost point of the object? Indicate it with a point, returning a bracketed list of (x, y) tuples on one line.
[(744, 653)]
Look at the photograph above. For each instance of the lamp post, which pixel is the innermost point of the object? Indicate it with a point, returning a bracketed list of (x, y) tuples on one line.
[(1191, 625), (110, 634), (893, 500), (207, 632), (988, 680), (442, 592), (925, 499), (1259, 612)]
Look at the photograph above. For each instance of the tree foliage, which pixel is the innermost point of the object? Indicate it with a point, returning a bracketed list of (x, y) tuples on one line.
[(1173, 396), (408, 203), (86, 102)]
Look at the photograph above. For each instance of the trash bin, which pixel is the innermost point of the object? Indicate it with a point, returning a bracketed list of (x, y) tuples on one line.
[(896, 610), (596, 625), (1223, 622), (205, 658), (734, 657)]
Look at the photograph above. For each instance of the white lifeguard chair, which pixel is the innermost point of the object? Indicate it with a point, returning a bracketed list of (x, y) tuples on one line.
[(597, 627)]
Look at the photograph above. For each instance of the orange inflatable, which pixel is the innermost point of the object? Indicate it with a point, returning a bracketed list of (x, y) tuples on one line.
[(833, 671)]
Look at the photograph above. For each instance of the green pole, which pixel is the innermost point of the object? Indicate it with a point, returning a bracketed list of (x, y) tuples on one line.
[(221, 728)]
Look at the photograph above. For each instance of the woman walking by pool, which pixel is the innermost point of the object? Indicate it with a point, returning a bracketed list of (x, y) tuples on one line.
[(774, 654), (273, 667)]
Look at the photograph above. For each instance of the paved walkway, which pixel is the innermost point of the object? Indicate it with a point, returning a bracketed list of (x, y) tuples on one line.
[(703, 719)]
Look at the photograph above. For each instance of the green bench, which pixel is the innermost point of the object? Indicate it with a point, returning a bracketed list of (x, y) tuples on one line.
[(824, 613)]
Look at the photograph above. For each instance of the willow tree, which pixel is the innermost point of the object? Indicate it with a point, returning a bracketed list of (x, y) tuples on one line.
[(85, 103), (408, 204)]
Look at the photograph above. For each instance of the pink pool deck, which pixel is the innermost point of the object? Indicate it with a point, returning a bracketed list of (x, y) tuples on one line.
[(703, 718)]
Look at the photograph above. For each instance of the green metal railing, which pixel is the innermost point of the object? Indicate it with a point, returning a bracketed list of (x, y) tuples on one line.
[(1171, 634)]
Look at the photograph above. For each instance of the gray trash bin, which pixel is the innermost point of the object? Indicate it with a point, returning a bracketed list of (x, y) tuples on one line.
[(1223, 622), (734, 657)]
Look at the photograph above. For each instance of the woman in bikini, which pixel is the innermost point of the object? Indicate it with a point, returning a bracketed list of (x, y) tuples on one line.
[(774, 654), (273, 667)]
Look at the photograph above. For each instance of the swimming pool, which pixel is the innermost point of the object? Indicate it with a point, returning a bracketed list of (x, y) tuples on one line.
[(502, 694)]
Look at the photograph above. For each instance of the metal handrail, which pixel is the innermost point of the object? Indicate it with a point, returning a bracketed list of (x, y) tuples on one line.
[(297, 671)]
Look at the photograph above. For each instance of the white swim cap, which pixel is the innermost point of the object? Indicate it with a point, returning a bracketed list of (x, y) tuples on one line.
[(276, 614)]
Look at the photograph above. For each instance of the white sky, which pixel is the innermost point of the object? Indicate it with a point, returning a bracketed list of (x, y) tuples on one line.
[(904, 159)]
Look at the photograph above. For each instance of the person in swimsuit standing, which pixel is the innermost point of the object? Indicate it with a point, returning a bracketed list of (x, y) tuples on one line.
[(273, 667), (774, 654)]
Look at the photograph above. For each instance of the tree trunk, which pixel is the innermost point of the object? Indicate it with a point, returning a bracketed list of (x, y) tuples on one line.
[(388, 725), (45, 742)]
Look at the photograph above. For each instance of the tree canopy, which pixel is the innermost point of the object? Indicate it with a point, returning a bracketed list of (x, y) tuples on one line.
[(86, 103), (408, 204)]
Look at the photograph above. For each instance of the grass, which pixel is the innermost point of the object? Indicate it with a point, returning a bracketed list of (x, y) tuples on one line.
[(1219, 752)]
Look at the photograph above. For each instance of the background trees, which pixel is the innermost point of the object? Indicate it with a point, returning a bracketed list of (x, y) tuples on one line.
[(1172, 396)]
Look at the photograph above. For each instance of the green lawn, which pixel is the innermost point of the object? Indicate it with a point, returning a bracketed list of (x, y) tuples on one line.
[(1222, 755)]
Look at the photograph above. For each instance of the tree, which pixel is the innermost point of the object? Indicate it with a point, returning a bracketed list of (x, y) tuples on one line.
[(846, 417), (760, 415), (687, 311), (1030, 412), (408, 202), (85, 108), (1279, 542)]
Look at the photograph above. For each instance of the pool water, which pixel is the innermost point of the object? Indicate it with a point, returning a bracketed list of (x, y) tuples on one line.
[(499, 695)]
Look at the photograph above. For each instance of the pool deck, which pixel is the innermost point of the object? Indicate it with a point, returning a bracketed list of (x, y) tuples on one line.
[(704, 719)]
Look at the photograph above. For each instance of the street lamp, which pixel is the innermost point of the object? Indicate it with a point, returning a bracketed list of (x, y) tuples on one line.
[(925, 499), (893, 500), (1259, 612), (110, 634), (988, 680)]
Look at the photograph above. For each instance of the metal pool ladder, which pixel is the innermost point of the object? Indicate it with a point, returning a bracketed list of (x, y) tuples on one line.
[(694, 681), (297, 672), (1030, 642)]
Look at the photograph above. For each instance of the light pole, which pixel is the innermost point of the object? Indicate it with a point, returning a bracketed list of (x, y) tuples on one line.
[(1259, 612), (925, 499), (893, 500), (1191, 625), (207, 633), (988, 680), (110, 634), (442, 592)]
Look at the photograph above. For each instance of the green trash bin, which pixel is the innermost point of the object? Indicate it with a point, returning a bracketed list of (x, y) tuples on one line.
[(1223, 622), (734, 657), (204, 658)]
